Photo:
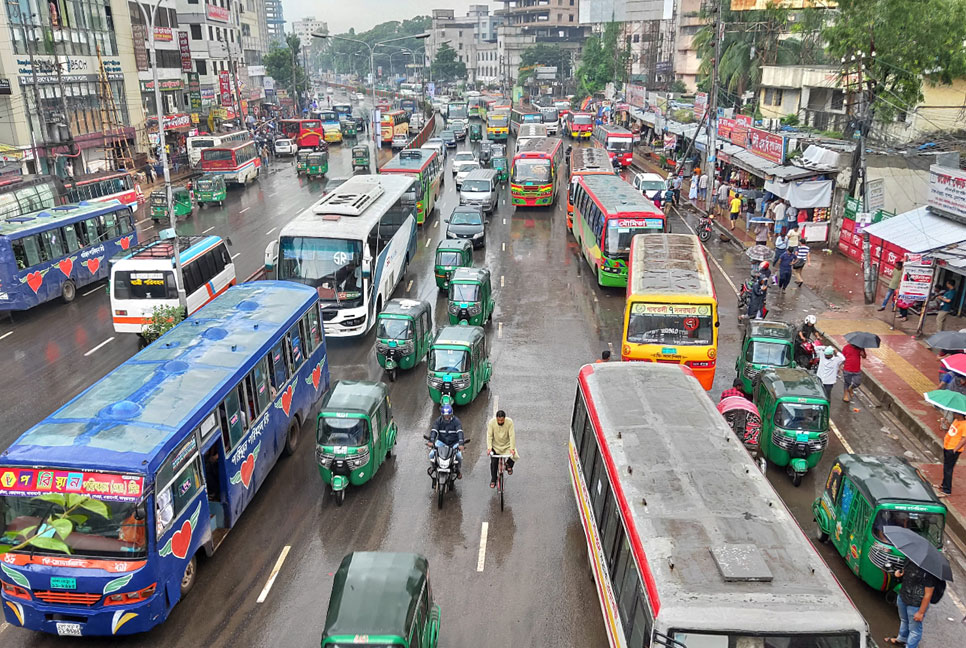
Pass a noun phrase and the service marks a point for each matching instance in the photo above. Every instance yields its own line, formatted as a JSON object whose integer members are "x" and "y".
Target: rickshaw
{"x": 502, "y": 168}
{"x": 763, "y": 344}
{"x": 180, "y": 204}
{"x": 459, "y": 366}
{"x": 348, "y": 127}
{"x": 301, "y": 160}
{"x": 317, "y": 164}
{"x": 476, "y": 132}
{"x": 450, "y": 255}
{"x": 404, "y": 330}
{"x": 486, "y": 151}
{"x": 384, "y": 598}
{"x": 360, "y": 158}
{"x": 794, "y": 419}
{"x": 355, "y": 434}
{"x": 862, "y": 495}
{"x": 210, "y": 188}
{"x": 470, "y": 297}
{"x": 745, "y": 421}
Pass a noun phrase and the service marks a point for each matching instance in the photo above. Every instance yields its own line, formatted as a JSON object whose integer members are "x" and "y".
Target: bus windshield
{"x": 390, "y": 328}
{"x": 702, "y": 640}
{"x": 531, "y": 171}
{"x": 97, "y": 528}
{"x": 497, "y": 121}
{"x": 677, "y": 324}
{"x": 333, "y": 266}
{"x": 582, "y": 120}
{"x": 549, "y": 115}
{"x": 807, "y": 417}
{"x": 620, "y": 231}
{"x": 200, "y": 142}
{"x": 619, "y": 145}
{"x": 144, "y": 285}
{"x": 450, "y": 360}
{"x": 343, "y": 431}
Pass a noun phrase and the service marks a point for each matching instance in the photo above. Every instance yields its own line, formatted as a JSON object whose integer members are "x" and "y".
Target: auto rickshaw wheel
{"x": 392, "y": 375}
{"x": 291, "y": 438}
{"x": 339, "y": 497}
{"x": 68, "y": 291}
{"x": 797, "y": 479}
{"x": 820, "y": 535}
{"x": 221, "y": 203}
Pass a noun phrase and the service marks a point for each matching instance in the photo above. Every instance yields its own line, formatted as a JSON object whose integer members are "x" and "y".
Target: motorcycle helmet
{"x": 810, "y": 319}
{"x": 446, "y": 410}
{"x": 763, "y": 266}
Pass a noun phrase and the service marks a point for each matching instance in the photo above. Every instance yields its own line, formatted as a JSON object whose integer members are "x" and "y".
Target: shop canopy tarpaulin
{"x": 919, "y": 231}
{"x": 806, "y": 194}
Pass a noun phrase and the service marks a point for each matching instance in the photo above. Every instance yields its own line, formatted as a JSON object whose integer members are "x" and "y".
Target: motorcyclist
{"x": 447, "y": 430}
{"x": 805, "y": 334}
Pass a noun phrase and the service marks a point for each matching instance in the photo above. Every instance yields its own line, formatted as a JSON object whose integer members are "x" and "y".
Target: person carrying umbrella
{"x": 854, "y": 352}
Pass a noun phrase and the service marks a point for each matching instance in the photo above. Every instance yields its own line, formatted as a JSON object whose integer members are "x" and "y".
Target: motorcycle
{"x": 807, "y": 355}
{"x": 442, "y": 468}
{"x": 704, "y": 229}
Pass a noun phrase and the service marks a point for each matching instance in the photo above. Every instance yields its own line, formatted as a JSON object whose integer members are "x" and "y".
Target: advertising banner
{"x": 194, "y": 91}
{"x": 31, "y": 482}
{"x": 140, "y": 33}
{"x": 725, "y": 128}
{"x": 766, "y": 145}
{"x": 224, "y": 85}
{"x": 218, "y": 14}
{"x": 947, "y": 190}
{"x": 700, "y": 104}
{"x": 739, "y": 132}
{"x": 636, "y": 95}
{"x": 916, "y": 278}
{"x": 185, "y": 45}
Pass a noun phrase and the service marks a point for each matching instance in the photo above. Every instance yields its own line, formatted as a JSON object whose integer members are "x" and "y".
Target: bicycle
{"x": 501, "y": 470}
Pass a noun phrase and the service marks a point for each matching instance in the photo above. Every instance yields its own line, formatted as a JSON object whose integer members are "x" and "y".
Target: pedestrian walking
{"x": 945, "y": 304}
{"x": 781, "y": 244}
{"x": 759, "y": 294}
{"x": 801, "y": 260}
{"x": 793, "y": 239}
{"x": 894, "y": 282}
{"x": 722, "y": 198}
{"x": 852, "y": 370}
{"x": 953, "y": 444}
{"x": 676, "y": 185}
{"x": 761, "y": 234}
{"x": 913, "y": 602}
{"x": 735, "y": 210}
{"x": 693, "y": 191}
{"x": 149, "y": 173}
{"x": 828, "y": 369}
{"x": 785, "y": 262}
{"x": 703, "y": 187}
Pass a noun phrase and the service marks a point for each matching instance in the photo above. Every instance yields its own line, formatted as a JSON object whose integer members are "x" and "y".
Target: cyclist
{"x": 447, "y": 430}
{"x": 500, "y": 440}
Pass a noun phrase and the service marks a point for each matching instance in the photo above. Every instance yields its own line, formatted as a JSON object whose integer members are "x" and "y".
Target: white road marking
{"x": 427, "y": 242}
{"x": 501, "y": 281}
{"x": 6, "y": 334}
{"x": 710, "y": 256}
{"x": 244, "y": 210}
{"x": 499, "y": 330}
{"x": 235, "y": 255}
{"x": 838, "y": 435}
{"x": 273, "y": 575}
{"x": 208, "y": 230}
{"x": 504, "y": 221}
{"x": 143, "y": 220}
{"x": 482, "y": 557}
{"x": 89, "y": 292}
{"x": 272, "y": 194}
{"x": 107, "y": 341}
{"x": 4, "y": 626}
{"x": 504, "y": 246}
{"x": 436, "y": 223}
{"x": 610, "y": 345}
{"x": 269, "y": 232}
{"x": 410, "y": 286}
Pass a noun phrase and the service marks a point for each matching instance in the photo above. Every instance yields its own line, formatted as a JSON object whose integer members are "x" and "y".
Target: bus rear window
{"x": 201, "y": 143}
{"x": 216, "y": 155}
{"x": 144, "y": 285}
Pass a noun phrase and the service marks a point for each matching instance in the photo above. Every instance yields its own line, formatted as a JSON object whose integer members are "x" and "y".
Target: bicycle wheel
{"x": 501, "y": 486}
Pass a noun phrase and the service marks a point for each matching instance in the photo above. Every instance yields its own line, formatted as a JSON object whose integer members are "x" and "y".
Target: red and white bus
{"x": 617, "y": 141}
{"x": 306, "y": 133}
{"x": 535, "y": 173}
{"x": 689, "y": 544}
{"x": 104, "y": 187}
{"x": 238, "y": 162}
{"x": 580, "y": 125}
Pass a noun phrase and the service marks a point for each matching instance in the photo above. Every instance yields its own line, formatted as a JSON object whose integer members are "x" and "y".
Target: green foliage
{"x": 342, "y": 56}
{"x": 683, "y": 115}
{"x": 53, "y": 530}
{"x": 279, "y": 62}
{"x": 912, "y": 42}
{"x": 790, "y": 119}
{"x": 544, "y": 55}
{"x": 446, "y": 66}
{"x": 162, "y": 320}
{"x": 679, "y": 86}
{"x": 602, "y": 61}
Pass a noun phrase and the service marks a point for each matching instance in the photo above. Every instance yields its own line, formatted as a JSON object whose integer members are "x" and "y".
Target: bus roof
{"x": 227, "y": 146}
{"x": 716, "y": 545}
{"x": 590, "y": 160}
{"x": 610, "y": 129}
{"x": 39, "y": 221}
{"x": 129, "y": 420}
{"x": 409, "y": 160}
{"x": 617, "y": 196}
{"x": 540, "y": 147}
{"x": 156, "y": 248}
{"x": 668, "y": 264}
{"x": 350, "y": 211}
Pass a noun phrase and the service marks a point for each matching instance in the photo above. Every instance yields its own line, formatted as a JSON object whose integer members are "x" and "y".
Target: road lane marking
{"x": 6, "y": 334}
{"x": 610, "y": 345}
{"x": 504, "y": 246}
{"x": 272, "y": 194}
{"x": 496, "y": 404}
{"x": 499, "y": 330}
{"x": 482, "y": 557}
{"x": 269, "y": 232}
{"x": 436, "y": 223}
{"x": 274, "y": 574}
{"x": 107, "y": 341}
{"x": 501, "y": 281}
{"x": 708, "y": 253}
{"x": 143, "y": 220}
{"x": 410, "y": 286}
{"x": 427, "y": 243}
{"x": 244, "y": 210}
{"x": 235, "y": 255}
{"x": 838, "y": 435}
{"x": 208, "y": 230}
{"x": 89, "y": 292}
{"x": 504, "y": 221}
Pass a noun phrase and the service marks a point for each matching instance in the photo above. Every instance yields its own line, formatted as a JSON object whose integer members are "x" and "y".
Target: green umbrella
{"x": 947, "y": 399}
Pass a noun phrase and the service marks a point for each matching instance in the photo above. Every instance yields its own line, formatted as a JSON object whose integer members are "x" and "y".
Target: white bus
{"x": 353, "y": 246}
{"x": 529, "y": 132}
{"x": 199, "y": 142}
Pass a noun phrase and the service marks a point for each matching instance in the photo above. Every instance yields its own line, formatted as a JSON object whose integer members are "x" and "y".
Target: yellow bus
{"x": 497, "y": 124}
{"x": 671, "y": 314}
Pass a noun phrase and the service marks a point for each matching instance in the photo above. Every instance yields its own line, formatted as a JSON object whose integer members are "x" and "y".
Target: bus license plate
{"x": 69, "y": 629}
{"x": 63, "y": 583}
{"x": 669, "y": 351}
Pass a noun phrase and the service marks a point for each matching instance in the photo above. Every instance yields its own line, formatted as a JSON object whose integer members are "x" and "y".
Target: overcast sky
{"x": 365, "y": 14}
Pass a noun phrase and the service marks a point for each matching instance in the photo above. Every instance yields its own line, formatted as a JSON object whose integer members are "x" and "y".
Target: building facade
{"x": 274, "y": 20}
{"x": 174, "y": 98}
{"x": 528, "y": 22}
{"x": 306, "y": 27}
{"x": 648, "y": 31}
{"x": 217, "y": 58}
{"x": 688, "y": 21}
{"x": 469, "y": 35}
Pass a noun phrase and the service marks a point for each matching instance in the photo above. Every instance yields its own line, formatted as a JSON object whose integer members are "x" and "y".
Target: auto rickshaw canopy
{"x": 363, "y": 397}
{"x": 787, "y": 382}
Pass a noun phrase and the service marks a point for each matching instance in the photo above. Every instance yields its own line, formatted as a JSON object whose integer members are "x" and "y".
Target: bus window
{"x": 296, "y": 339}
{"x": 629, "y": 591}
{"x": 246, "y": 391}
{"x": 232, "y": 429}
{"x": 109, "y": 221}
{"x": 27, "y": 252}
{"x": 261, "y": 384}
{"x": 52, "y": 244}
{"x": 279, "y": 367}
{"x": 185, "y": 486}
{"x": 313, "y": 329}
{"x": 71, "y": 239}
{"x": 124, "y": 220}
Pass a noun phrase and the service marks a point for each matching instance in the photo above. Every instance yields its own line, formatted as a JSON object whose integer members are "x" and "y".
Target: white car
{"x": 465, "y": 171}
{"x": 400, "y": 141}
{"x": 285, "y": 147}
{"x": 435, "y": 144}
{"x": 360, "y": 97}
{"x": 649, "y": 184}
{"x": 464, "y": 159}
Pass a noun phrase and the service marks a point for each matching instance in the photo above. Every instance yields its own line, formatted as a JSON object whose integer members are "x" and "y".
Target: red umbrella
{"x": 956, "y": 363}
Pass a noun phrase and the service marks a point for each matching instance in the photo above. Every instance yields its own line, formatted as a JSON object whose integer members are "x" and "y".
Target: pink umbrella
{"x": 955, "y": 363}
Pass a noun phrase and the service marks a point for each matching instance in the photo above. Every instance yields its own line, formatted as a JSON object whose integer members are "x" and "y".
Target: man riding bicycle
{"x": 500, "y": 440}
{"x": 447, "y": 430}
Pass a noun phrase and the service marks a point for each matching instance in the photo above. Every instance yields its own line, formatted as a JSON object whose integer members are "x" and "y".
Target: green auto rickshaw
{"x": 360, "y": 158}
{"x": 317, "y": 164}
{"x": 355, "y": 435}
{"x": 348, "y": 127}
{"x": 470, "y": 297}
{"x": 764, "y": 344}
{"x": 210, "y": 188}
{"x": 476, "y": 132}
{"x": 502, "y": 168}
{"x": 450, "y": 255}
{"x": 794, "y": 419}
{"x": 180, "y": 204}
{"x": 382, "y": 599}
{"x": 301, "y": 160}
{"x": 862, "y": 495}
{"x": 459, "y": 366}
{"x": 404, "y": 331}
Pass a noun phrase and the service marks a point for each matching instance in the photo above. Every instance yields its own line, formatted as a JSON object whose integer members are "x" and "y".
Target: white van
{"x": 480, "y": 189}
{"x": 144, "y": 277}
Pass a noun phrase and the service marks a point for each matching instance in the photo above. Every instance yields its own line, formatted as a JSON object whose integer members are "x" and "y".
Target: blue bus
{"x": 105, "y": 504}
{"x": 53, "y": 252}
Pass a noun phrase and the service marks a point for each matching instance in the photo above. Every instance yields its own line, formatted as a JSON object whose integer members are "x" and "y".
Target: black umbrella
{"x": 952, "y": 340}
{"x": 862, "y": 339}
{"x": 919, "y": 550}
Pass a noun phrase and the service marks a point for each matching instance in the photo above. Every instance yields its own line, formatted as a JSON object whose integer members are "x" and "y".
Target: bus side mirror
{"x": 717, "y": 324}
{"x": 271, "y": 254}
{"x": 141, "y": 511}
{"x": 228, "y": 241}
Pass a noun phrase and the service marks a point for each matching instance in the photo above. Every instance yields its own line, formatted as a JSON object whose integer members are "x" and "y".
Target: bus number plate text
{"x": 57, "y": 582}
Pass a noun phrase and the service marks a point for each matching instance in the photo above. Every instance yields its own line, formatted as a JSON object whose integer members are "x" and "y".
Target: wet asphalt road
{"x": 534, "y": 588}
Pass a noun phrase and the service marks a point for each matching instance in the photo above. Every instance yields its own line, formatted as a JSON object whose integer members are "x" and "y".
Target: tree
{"x": 679, "y": 87}
{"x": 602, "y": 61}
{"x": 279, "y": 64}
{"x": 340, "y": 55}
{"x": 162, "y": 320}
{"x": 446, "y": 66}
{"x": 544, "y": 55}
{"x": 908, "y": 48}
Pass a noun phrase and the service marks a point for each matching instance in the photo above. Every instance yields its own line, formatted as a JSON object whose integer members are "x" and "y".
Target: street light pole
{"x": 149, "y": 17}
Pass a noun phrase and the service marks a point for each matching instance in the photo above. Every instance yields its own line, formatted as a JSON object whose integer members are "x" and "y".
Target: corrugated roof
{"x": 919, "y": 230}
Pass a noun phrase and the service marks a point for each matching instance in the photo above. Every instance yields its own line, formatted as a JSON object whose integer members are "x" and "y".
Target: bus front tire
{"x": 291, "y": 438}
{"x": 68, "y": 291}
{"x": 190, "y": 576}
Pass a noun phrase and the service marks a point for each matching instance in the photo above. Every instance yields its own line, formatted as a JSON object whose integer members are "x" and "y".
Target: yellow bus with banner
{"x": 671, "y": 312}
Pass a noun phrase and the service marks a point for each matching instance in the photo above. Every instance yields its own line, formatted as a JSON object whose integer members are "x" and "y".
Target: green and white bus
{"x": 426, "y": 166}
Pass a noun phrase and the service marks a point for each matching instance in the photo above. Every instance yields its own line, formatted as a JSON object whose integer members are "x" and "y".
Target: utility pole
{"x": 864, "y": 122}
{"x": 711, "y": 155}
{"x": 44, "y": 131}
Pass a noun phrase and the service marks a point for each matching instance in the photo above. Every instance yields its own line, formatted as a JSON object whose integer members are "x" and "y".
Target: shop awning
{"x": 752, "y": 163}
{"x": 919, "y": 231}
{"x": 806, "y": 194}
{"x": 791, "y": 172}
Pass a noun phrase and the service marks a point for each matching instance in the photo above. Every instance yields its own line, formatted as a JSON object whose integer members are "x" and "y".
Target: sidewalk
{"x": 898, "y": 372}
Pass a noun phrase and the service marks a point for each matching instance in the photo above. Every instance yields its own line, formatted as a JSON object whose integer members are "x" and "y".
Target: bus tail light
{"x": 626, "y": 349}
{"x": 131, "y": 597}
{"x": 121, "y": 313}
{"x": 15, "y": 591}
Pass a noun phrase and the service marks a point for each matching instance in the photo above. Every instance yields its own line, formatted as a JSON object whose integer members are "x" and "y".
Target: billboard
{"x": 761, "y": 5}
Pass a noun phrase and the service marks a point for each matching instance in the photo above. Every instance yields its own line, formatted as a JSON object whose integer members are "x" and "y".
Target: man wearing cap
{"x": 828, "y": 369}
{"x": 447, "y": 430}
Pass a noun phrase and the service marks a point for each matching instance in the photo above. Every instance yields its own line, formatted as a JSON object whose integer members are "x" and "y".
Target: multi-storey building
{"x": 527, "y": 22}
{"x": 468, "y": 35}
{"x": 648, "y": 30}
{"x": 168, "y": 52}
{"x": 306, "y": 27}
{"x": 688, "y": 22}
{"x": 275, "y": 20}
{"x": 215, "y": 38}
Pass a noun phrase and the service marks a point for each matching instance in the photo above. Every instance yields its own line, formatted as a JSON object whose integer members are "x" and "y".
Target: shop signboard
{"x": 700, "y": 104}
{"x": 185, "y": 46}
{"x": 218, "y": 14}
{"x": 194, "y": 91}
{"x": 224, "y": 84}
{"x": 739, "y": 132}
{"x": 917, "y": 272}
{"x": 947, "y": 190}
{"x": 670, "y": 142}
{"x": 166, "y": 85}
{"x": 725, "y": 128}
{"x": 163, "y": 34}
{"x": 852, "y": 207}
{"x": 140, "y": 33}
{"x": 636, "y": 95}
{"x": 768, "y": 146}
{"x": 256, "y": 70}
{"x": 876, "y": 192}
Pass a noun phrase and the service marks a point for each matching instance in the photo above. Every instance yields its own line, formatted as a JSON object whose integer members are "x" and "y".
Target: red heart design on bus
{"x": 34, "y": 280}
{"x": 287, "y": 399}
{"x": 93, "y": 265}
{"x": 66, "y": 266}
{"x": 181, "y": 540}
{"x": 247, "y": 468}
{"x": 316, "y": 376}
{"x": 125, "y": 242}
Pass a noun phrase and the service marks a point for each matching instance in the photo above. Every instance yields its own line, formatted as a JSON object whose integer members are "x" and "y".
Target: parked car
{"x": 285, "y": 147}
{"x": 462, "y": 159}
{"x": 467, "y": 222}
{"x": 449, "y": 138}
{"x": 649, "y": 184}
{"x": 465, "y": 171}
{"x": 400, "y": 141}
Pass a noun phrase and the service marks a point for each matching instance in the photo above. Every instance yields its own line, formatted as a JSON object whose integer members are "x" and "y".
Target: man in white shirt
{"x": 703, "y": 187}
{"x": 828, "y": 369}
